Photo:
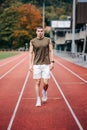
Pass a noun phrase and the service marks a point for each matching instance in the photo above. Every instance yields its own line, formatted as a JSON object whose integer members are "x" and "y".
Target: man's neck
{"x": 40, "y": 37}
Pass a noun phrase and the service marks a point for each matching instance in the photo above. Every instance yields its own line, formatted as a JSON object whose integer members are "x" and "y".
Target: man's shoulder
{"x": 34, "y": 39}
{"x": 47, "y": 38}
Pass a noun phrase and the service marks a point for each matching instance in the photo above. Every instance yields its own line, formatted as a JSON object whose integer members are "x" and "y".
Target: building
{"x": 58, "y": 33}
{"x": 63, "y": 34}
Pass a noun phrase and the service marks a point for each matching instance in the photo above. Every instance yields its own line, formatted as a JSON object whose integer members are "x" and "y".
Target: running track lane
{"x": 10, "y": 87}
{"x": 81, "y": 71}
{"x": 44, "y": 118}
{"x": 52, "y": 115}
{"x": 10, "y": 59}
{"x": 5, "y": 66}
{"x": 74, "y": 86}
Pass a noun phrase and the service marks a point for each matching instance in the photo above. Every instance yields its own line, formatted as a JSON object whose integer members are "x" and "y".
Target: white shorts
{"x": 41, "y": 71}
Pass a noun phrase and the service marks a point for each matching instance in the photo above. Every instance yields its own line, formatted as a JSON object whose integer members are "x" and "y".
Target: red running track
{"x": 66, "y": 108}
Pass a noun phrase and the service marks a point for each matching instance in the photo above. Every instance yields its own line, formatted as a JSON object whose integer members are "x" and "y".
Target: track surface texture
{"x": 65, "y": 109}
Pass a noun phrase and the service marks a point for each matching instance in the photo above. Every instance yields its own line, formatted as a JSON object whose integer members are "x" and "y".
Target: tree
{"x": 8, "y": 22}
{"x": 29, "y": 19}
{"x": 17, "y": 25}
{"x": 19, "y": 18}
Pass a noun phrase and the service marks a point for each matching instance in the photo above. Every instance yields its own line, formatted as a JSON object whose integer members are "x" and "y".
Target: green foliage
{"x": 19, "y": 18}
{"x": 17, "y": 25}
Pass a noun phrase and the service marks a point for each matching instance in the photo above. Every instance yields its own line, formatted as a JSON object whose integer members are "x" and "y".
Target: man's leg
{"x": 44, "y": 91}
{"x": 37, "y": 88}
{"x": 37, "y": 77}
{"x": 45, "y": 84}
{"x": 45, "y": 76}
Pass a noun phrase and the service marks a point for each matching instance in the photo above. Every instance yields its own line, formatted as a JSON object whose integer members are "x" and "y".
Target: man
{"x": 41, "y": 59}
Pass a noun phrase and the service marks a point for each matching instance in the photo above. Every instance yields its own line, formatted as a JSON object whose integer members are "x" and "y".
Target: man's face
{"x": 40, "y": 32}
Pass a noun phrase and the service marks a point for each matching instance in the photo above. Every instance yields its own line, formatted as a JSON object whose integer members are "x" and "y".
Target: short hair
{"x": 40, "y": 27}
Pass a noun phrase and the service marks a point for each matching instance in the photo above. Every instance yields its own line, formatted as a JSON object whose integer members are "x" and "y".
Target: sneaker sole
{"x": 38, "y": 105}
{"x": 44, "y": 100}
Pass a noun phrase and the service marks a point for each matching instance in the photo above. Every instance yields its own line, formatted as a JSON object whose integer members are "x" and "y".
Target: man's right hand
{"x": 31, "y": 68}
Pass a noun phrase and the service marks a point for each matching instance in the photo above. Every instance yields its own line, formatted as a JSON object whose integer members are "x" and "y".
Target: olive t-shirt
{"x": 41, "y": 50}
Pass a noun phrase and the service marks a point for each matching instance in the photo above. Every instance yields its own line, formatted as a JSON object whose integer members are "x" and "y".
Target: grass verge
{"x": 6, "y": 54}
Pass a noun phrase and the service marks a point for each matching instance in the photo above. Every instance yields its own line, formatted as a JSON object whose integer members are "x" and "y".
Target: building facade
{"x": 62, "y": 35}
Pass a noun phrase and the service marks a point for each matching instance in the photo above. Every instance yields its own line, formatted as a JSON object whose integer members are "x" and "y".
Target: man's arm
{"x": 31, "y": 57}
{"x": 51, "y": 56}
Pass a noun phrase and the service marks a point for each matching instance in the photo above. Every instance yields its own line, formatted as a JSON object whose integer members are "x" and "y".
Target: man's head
{"x": 40, "y": 32}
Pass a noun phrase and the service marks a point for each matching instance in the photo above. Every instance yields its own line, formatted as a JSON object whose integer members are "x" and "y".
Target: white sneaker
{"x": 38, "y": 102}
{"x": 44, "y": 95}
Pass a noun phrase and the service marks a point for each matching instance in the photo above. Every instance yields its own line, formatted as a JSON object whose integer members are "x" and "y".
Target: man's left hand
{"x": 51, "y": 66}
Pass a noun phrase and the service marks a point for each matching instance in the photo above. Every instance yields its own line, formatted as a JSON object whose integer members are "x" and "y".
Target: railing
{"x": 60, "y": 40}
{"x": 80, "y": 35}
{"x": 77, "y": 58}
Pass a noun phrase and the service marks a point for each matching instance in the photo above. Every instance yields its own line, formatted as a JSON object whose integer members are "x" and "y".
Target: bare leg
{"x": 44, "y": 91}
{"x": 37, "y": 87}
{"x": 45, "y": 86}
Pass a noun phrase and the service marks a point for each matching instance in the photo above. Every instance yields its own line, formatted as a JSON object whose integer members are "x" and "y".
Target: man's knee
{"x": 38, "y": 82}
{"x": 45, "y": 81}
{"x": 45, "y": 85}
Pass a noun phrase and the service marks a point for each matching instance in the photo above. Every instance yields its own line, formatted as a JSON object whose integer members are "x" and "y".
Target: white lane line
{"x": 18, "y": 102}
{"x": 72, "y": 83}
{"x": 71, "y": 71}
{"x": 12, "y": 68}
{"x": 49, "y": 98}
{"x": 15, "y": 58}
{"x": 67, "y": 103}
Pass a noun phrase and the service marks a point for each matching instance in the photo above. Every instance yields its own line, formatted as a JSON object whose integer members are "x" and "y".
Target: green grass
{"x": 5, "y": 54}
